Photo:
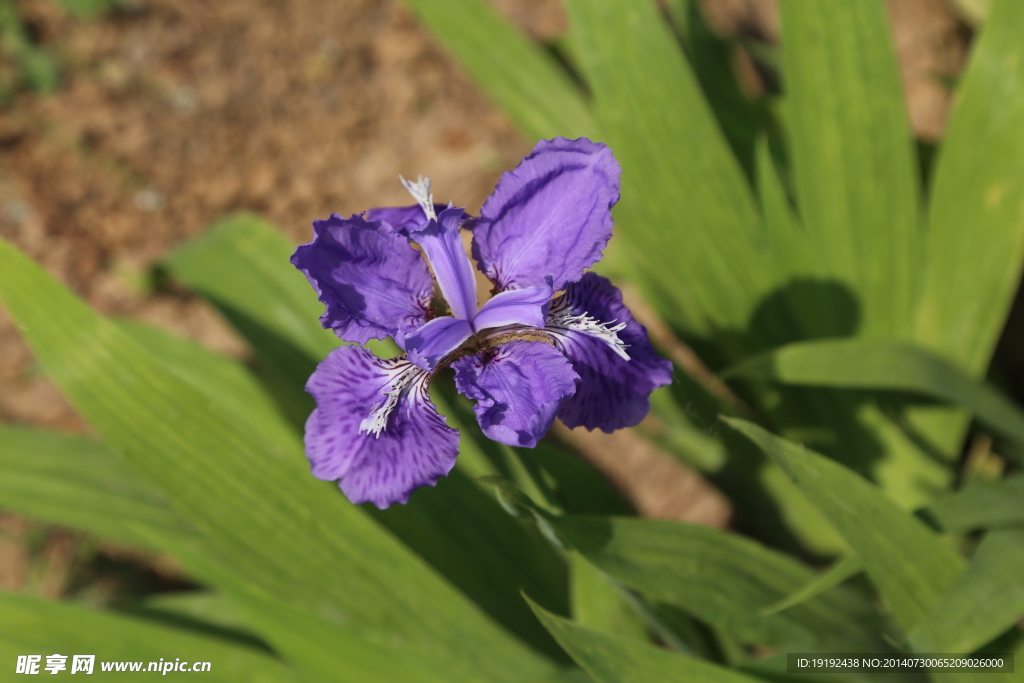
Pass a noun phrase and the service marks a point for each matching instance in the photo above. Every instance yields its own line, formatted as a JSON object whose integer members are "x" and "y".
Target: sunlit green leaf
{"x": 886, "y": 365}
{"x": 853, "y": 160}
{"x": 609, "y": 659}
{"x": 982, "y": 505}
{"x": 32, "y": 626}
{"x": 78, "y": 483}
{"x": 975, "y": 237}
{"x": 985, "y": 601}
{"x": 911, "y": 566}
{"x": 840, "y": 571}
{"x": 529, "y": 85}
{"x": 687, "y": 216}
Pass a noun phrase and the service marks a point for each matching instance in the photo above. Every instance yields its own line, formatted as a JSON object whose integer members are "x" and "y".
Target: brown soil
{"x": 178, "y": 111}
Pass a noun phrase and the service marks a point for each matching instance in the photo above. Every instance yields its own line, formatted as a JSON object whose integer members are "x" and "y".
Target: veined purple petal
{"x": 372, "y": 282}
{"x": 443, "y": 246}
{"x": 404, "y": 219}
{"x": 436, "y": 339}
{"x": 613, "y": 392}
{"x": 356, "y": 393}
{"x": 527, "y": 306}
{"x": 517, "y": 388}
{"x": 549, "y": 216}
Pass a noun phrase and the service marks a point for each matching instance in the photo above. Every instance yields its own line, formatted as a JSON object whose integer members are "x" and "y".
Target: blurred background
{"x": 127, "y": 126}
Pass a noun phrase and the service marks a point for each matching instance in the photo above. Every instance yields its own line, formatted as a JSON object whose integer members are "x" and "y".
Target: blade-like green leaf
{"x": 687, "y": 213}
{"x": 599, "y": 605}
{"x": 887, "y": 365}
{"x": 32, "y": 626}
{"x": 853, "y": 160}
{"x": 227, "y": 382}
{"x": 616, "y": 660}
{"x": 77, "y": 482}
{"x": 842, "y": 570}
{"x": 720, "y": 578}
{"x": 986, "y": 600}
{"x": 975, "y": 239}
{"x": 241, "y": 265}
{"x": 983, "y": 505}
{"x": 526, "y": 83}
{"x": 284, "y": 536}
{"x": 911, "y": 566}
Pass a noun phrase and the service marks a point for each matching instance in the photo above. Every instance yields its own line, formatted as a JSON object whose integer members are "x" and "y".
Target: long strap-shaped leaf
{"x": 853, "y": 160}
{"x": 986, "y": 600}
{"x": 609, "y": 659}
{"x": 911, "y": 566}
{"x": 687, "y": 211}
{"x": 32, "y": 626}
{"x": 79, "y": 483}
{"x": 976, "y": 226}
{"x": 886, "y": 365}
{"x": 525, "y": 82}
{"x": 720, "y": 578}
{"x": 263, "y": 520}
{"x": 984, "y": 505}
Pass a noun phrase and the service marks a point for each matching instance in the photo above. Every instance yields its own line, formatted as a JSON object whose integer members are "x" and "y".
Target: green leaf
{"x": 196, "y": 607}
{"x": 853, "y": 159}
{"x": 977, "y": 201}
{"x": 911, "y": 566}
{"x": 600, "y": 605}
{"x": 722, "y": 579}
{"x": 32, "y": 626}
{"x": 78, "y": 483}
{"x": 225, "y": 381}
{"x": 885, "y": 365}
{"x": 677, "y": 168}
{"x": 842, "y": 570}
{"x": 241, "y": 265}
{"x": 982, "y": 505}
{"x": 526, "y": 83}
{"x": 274, "y": 534}
{"x": 616, "y": 660}
{"x": 986, "y": 600}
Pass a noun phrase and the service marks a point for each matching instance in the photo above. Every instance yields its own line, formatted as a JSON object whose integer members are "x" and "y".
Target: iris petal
{"x": 527, "y": 306}
{"x": 549, "y": 216}
{"x": 613, "y": 392}
{"x": 517, "y": 388}
{"x": 442, "y": 244}
{"x": 372, "y": 282}
{"x": 355, "y": 393}
{"x": 439, "y": 337}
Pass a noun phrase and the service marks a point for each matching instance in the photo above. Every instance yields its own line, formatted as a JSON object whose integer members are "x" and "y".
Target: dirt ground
{"x": 173, "y": 112}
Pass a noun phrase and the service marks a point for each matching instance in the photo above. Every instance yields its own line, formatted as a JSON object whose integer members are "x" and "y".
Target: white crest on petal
{"x": 561, "y": 319}
{"x": 420, "y": 191}
{"x": 403, "y": 374}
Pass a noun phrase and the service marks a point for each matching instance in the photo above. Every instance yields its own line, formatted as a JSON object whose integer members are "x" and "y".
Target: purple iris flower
{"x": 524, "y": 357}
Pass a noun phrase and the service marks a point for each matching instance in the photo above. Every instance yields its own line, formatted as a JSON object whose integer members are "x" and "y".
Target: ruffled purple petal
{"x": 517, "y": 388}
{"x": 414, "y": 447}
{"x": 613, "y": 392}
{"x": 371, "y": 280}
{"x": 549, "y": 216}
{"x": 404, "y": 219}
{"x": 443, "y": 246}
{"x": 435, "y": 340}
{"x": 527, "y": 306}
